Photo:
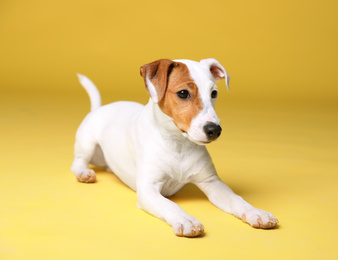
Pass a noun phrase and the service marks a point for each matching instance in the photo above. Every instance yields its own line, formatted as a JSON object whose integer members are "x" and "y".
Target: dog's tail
{"x": 93, "y": 93}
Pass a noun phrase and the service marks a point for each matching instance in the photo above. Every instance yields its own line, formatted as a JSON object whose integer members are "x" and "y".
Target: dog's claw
{"x": 87, "y": 176}
{"x": 180, "y": 232}
{"x": 258, "y": 218}
{"x": 188, "y": 228}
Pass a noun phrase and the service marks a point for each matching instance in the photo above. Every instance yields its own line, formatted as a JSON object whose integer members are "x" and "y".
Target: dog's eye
{"x": 214, "y": 94}
{"x": 183, "y": 94}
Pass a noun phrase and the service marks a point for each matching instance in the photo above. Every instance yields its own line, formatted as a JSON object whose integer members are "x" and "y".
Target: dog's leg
{"x": 84, "y": 152}
{"x": 224, "y": 198}
{"x": 151, "y": 200}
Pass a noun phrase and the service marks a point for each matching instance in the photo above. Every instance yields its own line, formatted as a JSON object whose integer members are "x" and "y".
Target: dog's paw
{"x": 86, "y": 176}
{"x": 188, "y": 227}
{"x": 258, "y": 218}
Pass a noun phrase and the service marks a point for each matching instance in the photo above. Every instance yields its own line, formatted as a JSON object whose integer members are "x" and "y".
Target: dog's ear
{"x": 155, "y": 77}
{"x": 217, "y": 70}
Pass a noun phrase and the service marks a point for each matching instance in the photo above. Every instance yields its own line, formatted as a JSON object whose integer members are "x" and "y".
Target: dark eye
{"x": 183, "y": 94}
{"x": 214, "y": 94}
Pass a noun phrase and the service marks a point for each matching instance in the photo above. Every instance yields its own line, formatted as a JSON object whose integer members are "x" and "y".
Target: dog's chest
{"x": 179, "y": 168}
{"x": 177, "y": 176}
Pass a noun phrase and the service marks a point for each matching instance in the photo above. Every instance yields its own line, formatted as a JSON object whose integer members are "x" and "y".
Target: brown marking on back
{"x": 181, "y": 111}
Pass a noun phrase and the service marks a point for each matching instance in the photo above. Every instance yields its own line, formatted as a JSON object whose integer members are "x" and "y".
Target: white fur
{"x": 145, "y": 149}
{"x": 213, "y": 62}
{"x": 93, "y": 93}
{"x": 152, "y": 91}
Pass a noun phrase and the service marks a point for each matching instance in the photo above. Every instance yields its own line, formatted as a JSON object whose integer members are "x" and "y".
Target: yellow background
{"x": 278, "y": 149}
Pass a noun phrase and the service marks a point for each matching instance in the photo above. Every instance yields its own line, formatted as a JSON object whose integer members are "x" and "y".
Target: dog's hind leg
{"x": 84, "y": 152}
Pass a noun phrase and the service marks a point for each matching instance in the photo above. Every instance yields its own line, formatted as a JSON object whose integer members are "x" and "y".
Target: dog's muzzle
{"x": 212, "y": 131}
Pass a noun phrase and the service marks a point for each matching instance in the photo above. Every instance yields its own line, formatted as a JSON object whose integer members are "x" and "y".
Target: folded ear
{"x": 155, "y": 77}
{"x": 217, "y": 70}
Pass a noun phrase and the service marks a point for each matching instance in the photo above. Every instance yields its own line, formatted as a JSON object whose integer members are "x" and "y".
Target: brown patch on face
{"x": 182, "y": 111}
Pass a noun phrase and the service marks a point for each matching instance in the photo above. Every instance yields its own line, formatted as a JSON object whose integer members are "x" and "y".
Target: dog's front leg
{"x": 224, "y": 198}
{"x": 150, "y": 199}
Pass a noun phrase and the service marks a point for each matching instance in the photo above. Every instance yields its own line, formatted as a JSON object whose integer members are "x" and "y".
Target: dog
{"x": 158, "y": 148}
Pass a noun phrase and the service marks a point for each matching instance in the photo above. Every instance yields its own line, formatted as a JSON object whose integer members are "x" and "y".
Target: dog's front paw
{"x": 258, "y": 218}
{"x": 86, "y": 176}
{"x": 188, "y": 227}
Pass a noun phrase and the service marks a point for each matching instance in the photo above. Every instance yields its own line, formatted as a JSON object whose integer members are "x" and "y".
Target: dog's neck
{"x": 162, "y": 121}
{"x": 165, "y": 125}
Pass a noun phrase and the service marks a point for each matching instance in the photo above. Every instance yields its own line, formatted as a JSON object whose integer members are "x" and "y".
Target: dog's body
{"x": 158, "y": 148}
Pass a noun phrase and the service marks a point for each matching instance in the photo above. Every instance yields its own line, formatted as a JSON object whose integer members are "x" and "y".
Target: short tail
{"x": 93, "y": 93}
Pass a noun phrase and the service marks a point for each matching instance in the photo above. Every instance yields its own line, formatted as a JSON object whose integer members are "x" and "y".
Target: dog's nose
{"x": 212, "y": 131}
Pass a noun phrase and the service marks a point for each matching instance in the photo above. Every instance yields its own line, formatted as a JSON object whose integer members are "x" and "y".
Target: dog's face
{"x": 185, "y": 90}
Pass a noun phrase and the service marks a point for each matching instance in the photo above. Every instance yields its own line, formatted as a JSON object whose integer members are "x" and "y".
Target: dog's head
{"x": 185, "y": 90}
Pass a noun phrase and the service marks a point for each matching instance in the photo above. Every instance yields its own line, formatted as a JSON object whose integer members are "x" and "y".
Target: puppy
{"x": 158, "y": 148}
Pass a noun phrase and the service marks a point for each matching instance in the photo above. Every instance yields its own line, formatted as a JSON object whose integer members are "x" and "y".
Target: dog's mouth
{"x": 185, "y": 134}
{"x": 202, "y": 142}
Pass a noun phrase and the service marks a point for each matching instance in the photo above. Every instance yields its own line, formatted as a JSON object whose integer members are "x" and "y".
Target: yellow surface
{"x": 279, "y": 147}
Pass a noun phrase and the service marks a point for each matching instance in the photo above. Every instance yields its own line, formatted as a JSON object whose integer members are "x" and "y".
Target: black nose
{"x": 212, "y": 131}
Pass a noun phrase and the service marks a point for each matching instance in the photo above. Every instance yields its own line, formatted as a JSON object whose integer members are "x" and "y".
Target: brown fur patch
{"x": 182, "y": 111}
{"x": 157, "y": 72}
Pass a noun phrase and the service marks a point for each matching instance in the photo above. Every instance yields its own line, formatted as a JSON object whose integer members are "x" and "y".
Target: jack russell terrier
{"x": 158, "y": 148}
